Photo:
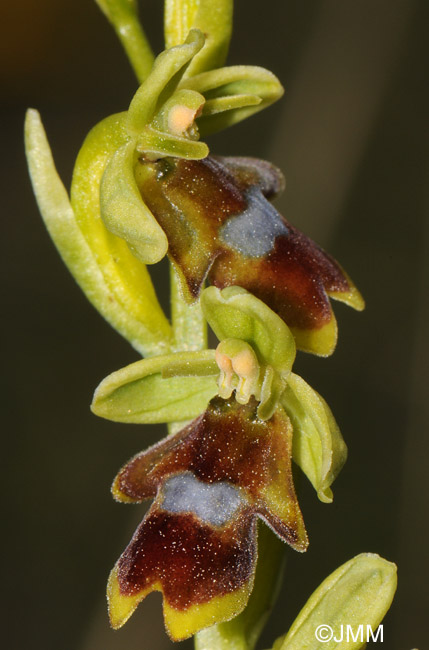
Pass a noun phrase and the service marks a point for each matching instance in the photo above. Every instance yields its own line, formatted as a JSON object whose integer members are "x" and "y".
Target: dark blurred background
{"x": 351, "y": 137}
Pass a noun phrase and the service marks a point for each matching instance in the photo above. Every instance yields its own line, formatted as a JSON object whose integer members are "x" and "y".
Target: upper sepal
{"x": 235, "y": 313}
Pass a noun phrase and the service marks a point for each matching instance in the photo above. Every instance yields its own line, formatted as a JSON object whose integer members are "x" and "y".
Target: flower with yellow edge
{"x": 216, "y": 476}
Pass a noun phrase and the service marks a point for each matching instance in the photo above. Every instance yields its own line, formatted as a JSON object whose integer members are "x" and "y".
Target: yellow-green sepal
{"x": 213, "y": 18}
{"x": 234, "y": 313}
{"x": 318, "y": 447}
{"x": 167, "y": 71}
{"x": 232, "y": 94}
{"x": 123, "y": 15}
{"x": 168, "y": 388}
{"x": 117, "y": 284}
{"x": 123, "y": 211}
{"x": 358, "y": 593}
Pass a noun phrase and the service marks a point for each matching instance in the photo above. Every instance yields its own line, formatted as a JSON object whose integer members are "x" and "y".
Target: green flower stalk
{"x": 145, "y": 186}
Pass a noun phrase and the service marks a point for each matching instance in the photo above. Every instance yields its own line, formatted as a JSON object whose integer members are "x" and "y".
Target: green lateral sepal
{"x": 358, "y": 593}
{"x": 169, "y": 388}
{"x": 318, "y": 446}
{"x": 232, "y": 94}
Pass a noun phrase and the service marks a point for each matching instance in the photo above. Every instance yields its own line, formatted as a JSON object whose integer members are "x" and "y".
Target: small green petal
{"x": 212, "y": 17}
{"x": 234, "y": 313}
{"x": 168, "y": 388}
{"x": 358, "y": 593}
{"x": 228, "y": 103}
{"x": 123, "y": 15}
{"x": 123, "y": 211}
{"x": 318, "y": 447}
{"x": 233, "y": 82}
{"x": 160, "y": 144}
{"x": 166, "y": 73}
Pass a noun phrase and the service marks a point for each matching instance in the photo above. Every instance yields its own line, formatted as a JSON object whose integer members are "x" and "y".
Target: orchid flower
{"x": 144, "y": 187}
{"x": 212, "y": 479}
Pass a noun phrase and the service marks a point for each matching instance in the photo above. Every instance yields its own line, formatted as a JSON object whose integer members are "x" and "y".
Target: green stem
{"x": 189, "y": 327}
{"x": 242, "y": 632}
{"x": 123, "y": 15}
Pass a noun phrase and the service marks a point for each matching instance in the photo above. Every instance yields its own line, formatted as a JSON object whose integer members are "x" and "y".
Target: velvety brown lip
{"x": 193, "y": 200}
{"x": 193, "y": 562}
{"x": 227, "y": 443}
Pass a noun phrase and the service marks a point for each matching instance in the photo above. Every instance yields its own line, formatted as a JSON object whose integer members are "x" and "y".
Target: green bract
{"x": 114, "y": 281}
{"x": 234, "y": 313}
{"x": 358, "y": 593}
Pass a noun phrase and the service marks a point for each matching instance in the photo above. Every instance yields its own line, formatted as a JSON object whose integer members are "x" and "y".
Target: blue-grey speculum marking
{"x": 253, "y": 232}
{"x": 213, "y": 503}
